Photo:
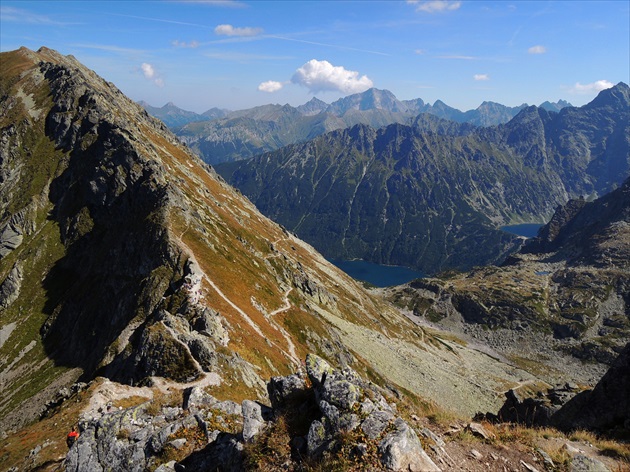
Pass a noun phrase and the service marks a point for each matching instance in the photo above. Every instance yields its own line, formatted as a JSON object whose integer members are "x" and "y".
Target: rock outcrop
{"x": 338, "y": 410}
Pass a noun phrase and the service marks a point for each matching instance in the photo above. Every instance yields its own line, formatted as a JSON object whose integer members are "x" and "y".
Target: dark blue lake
{"x": 376, "y": 274}
{"x": 529, "y": 230}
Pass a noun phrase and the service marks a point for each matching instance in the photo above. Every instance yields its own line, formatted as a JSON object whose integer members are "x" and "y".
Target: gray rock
{"x": 224, "y": 454}
{"x": 427, "y": 433}
{"x": 582, "y": 463}
{"x": 210, "y": 324}
{"x": 253, "y": 421}
{"x": 340, "y": 392}
{"x": 177, "y": 443}
{"x": 196, "y": 397}
{"x": 401, "y": 450}
{"x": 478, "y": 430}
{"x": 317, "y": 439}
{"x": 229, "y": 407}
{"x": 282, "y": 390}
{"x": 83, "y": 454}
{"x": 10, "y": 288}
{"x": 317, "y": 369}
{"x": 375, "y": 423}
{"x": 11, "y": 237}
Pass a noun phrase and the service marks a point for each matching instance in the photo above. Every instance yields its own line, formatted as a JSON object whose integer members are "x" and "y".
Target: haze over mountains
{"x": 221, "y": 135}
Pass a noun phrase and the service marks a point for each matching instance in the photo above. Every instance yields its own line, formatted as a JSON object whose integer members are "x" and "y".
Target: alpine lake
{"x": 385, "y": 275}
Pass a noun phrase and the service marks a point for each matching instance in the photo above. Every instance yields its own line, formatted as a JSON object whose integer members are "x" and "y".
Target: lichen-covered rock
{"x": 317, "y": 369}
{"x": 582, "y": 463}
{"x": 401, "y": 450}
{"x": 125, "y": 440}
{"x": 253, "y": 420}
{"x": 376, "y": 423}
{"x": 195, "y": 397}
{"x": 317, "y": 440}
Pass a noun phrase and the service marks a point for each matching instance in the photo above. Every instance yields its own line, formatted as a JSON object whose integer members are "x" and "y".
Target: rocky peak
{"x": 313, "y": 107}
{"x": 617, "y": 97}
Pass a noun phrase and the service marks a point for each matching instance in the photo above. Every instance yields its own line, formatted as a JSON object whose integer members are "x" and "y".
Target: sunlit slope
{"x": 123, "y": 255}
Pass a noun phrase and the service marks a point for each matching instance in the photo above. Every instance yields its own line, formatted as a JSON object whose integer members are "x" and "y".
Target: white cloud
{"x": 148, "y": 70}
{"x": 183, "y": 44}
{"x": 435, "y": 6}
{"x": 319, "y": 76}
{"x": 270, "y": 86}
{"x": 481, "y": 77}
{"x": 149, "y": 73}
{"x": 420, "y": 52}
{"x": 595, "y": 87}
{"x": 538, "y": 49}
{"x": 229, "y": 30}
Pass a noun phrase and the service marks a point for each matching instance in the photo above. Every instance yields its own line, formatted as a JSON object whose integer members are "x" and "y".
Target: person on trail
{"x": 72, "y": 437}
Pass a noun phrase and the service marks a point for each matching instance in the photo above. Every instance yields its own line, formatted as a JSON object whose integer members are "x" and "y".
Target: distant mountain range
{"x": 220, "y": 135}
{"x": 432, "y": 195}
{"x": 174, "y": 116}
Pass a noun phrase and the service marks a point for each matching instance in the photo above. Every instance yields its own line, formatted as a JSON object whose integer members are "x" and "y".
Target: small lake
{"x": 529, "y": 230}
{"x": 376, "y": 274}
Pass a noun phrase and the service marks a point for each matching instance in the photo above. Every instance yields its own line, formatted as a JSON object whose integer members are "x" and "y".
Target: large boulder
{"x": 401, "y": 450}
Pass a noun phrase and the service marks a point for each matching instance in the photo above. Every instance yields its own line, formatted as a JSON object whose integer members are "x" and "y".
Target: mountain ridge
{"x": 424, "y": 196}
{"x": 268, "y": 127}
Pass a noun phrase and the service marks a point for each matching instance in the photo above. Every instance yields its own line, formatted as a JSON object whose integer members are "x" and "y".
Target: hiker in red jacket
{"x": 72, "y": 437}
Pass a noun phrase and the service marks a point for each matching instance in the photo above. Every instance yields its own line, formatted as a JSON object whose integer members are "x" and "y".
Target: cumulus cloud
{"x": 538, "y": 49}
{"x": 270, "y": 86}
{"x": 481, "y": 77}
{"x": 320, "y": 76}
{"x": 435, "y": 6}
{"x": 595, "y": 87}
{"x": 149, "y": 73}
{"x": 148, "y": 70}
{"x": 229, "y": 30}
{"x": 183, "y": 44}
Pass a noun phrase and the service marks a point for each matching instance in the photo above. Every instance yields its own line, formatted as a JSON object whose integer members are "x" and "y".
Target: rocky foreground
{"x": 320, "y": 418}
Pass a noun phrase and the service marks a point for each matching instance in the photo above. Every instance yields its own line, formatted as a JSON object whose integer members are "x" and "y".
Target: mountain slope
{"x": 123, "y": 255}
{"x": 563, "y": 300}
{"x": 432, "y": 196}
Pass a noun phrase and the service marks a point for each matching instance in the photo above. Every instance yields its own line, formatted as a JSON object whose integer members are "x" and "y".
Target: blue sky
{"x": 239, "y": 54}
